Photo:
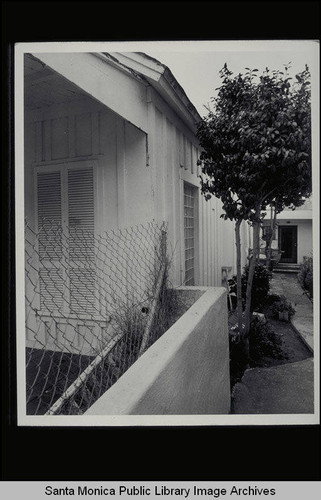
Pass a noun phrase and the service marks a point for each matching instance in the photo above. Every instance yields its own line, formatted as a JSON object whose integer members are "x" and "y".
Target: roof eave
{"x": 162, "y": 79}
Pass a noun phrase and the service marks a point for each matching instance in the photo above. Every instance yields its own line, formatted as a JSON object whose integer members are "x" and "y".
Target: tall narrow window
{"x": 189, "y": 232}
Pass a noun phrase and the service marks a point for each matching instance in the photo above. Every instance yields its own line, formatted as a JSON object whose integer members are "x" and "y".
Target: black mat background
{"x": 180, "y": 453}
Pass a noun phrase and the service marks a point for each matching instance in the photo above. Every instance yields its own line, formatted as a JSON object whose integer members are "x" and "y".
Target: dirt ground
{"x": 293, "y": 347}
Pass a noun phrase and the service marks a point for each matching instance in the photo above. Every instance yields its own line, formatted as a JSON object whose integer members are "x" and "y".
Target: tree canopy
{"x": 257, "y": 142}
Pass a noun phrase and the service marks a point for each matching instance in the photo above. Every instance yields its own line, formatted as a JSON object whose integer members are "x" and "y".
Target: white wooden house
{"x": 109, "y": 144}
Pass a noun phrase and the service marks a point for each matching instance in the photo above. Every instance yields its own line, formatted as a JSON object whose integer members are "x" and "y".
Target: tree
{"x": 256, "y": 151}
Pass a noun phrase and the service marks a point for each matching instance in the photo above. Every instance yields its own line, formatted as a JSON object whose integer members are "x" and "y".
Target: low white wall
{"x": 185, "y": 372}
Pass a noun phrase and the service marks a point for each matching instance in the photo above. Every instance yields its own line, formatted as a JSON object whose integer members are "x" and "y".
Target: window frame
{"x": 195, "y": 195}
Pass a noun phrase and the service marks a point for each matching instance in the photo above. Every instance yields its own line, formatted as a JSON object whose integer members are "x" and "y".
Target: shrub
{"x": 263, "y": 342}
{"x": 282, "y": 304}
{"x": 305, "y": 275}
{"x": 260, "y": 287}
{"x": 238, "y": 362}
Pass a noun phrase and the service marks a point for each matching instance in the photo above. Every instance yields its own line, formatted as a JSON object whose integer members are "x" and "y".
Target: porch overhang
{"x": 121, "y": 91}
{"x": 294, "y": 215}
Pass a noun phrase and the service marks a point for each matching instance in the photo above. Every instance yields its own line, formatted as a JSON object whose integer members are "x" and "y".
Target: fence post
{"x": 158, "y": 289}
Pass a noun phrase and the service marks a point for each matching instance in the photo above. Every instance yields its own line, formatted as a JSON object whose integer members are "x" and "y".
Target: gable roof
{"x": 160, "y": 77}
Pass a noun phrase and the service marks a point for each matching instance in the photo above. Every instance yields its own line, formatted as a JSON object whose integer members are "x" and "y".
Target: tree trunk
{"x": 238, "y": 276}
{"x": 256, "y": 245}
{"x": 269, "y": 241}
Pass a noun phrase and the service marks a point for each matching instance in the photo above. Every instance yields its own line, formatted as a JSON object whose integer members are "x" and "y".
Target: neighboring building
{"x": 293, "y": 234}
{"x": 110, "y": 143}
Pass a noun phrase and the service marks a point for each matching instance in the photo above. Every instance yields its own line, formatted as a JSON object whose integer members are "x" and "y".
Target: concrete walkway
{"x": 286, "y": 388}
{"x": 302, "y": 321}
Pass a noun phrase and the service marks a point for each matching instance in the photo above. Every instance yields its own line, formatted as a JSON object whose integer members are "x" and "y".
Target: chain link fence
{"x": 94, "y": 304}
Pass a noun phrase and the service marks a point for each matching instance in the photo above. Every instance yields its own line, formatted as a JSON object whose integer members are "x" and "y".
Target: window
{"x": 189, "y": 232}
{"x": 65, "y": 216}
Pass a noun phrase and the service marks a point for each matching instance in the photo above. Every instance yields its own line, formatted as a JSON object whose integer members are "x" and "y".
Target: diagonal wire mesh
{"x": 94, "y": 304}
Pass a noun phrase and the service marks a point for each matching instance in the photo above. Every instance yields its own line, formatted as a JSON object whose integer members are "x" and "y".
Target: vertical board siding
{"x": 177, "y": 208}
{"x": 47, "y": 146}
{"x": 72, "y": 136}
{"x": 215, "y": 241}
{"x": 155, "y": 190}
{"x": 205, "y": 242}
{"x": 84, "y": 134}
{"x": 95, "y": 133}
{"x": 108, "y": 172}
{"x": 181, "y": 149}
{"x": 59, "y": 138}
{"x": 37, "y": 155}
{"x": 170, "y": 191}
{"x": 159, "y": 165}
{"x": 62, "y": 137}
{"x": 188, "y": 155}
{"x": 210, "y": 234}
{"x": 136, "y": 177}
{"x": 120, "y": 162}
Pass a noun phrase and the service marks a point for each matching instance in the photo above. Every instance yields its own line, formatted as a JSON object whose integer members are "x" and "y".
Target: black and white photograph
{"x": 166, "y": 235}
{"x": 161, "y": 214}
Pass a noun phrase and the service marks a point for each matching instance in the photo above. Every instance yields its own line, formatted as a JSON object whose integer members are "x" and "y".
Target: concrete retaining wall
{"x": 185, "y": 372}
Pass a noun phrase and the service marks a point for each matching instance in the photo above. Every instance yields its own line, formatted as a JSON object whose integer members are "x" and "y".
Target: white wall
{"x": 76, "y": 134}
{"x": 173, "y": 155}
{"x": 304, "y": 239}
{"x": 185, "y": 372}
{"x": 87, "y": 130}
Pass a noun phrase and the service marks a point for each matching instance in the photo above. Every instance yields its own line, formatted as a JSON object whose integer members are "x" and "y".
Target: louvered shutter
{"x": 50, "y": 240}
{"x": 81, "y": 240}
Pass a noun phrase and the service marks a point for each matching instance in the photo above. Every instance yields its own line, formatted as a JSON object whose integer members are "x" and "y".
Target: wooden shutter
{"x": 50, "y": 240}
{"x": 81, "y": 240}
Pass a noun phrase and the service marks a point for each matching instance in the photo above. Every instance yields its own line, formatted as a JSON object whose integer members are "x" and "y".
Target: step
{"x": 288, "y": 264}
{"x": 285, "y": 270}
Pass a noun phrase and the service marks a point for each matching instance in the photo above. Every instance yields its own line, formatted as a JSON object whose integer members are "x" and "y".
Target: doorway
{"x": 288, "y": 244}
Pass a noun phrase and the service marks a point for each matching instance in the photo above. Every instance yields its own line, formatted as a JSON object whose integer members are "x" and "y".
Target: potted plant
{"x": 283, "y": 309}
{"x": 275, "y": 256}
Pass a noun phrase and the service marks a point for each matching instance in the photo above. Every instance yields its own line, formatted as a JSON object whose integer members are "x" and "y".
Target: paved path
{"x": 279, "y": 389}
{"x": 286, "y": 388}
{"x": 287, "y": 284}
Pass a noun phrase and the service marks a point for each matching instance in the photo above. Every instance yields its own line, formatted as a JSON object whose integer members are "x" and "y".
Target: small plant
{"x": 305, "y": 275}
{"x": 260, "y": 287}
{"x": 264, "y": 342}
{"x": 282, "y": 308}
